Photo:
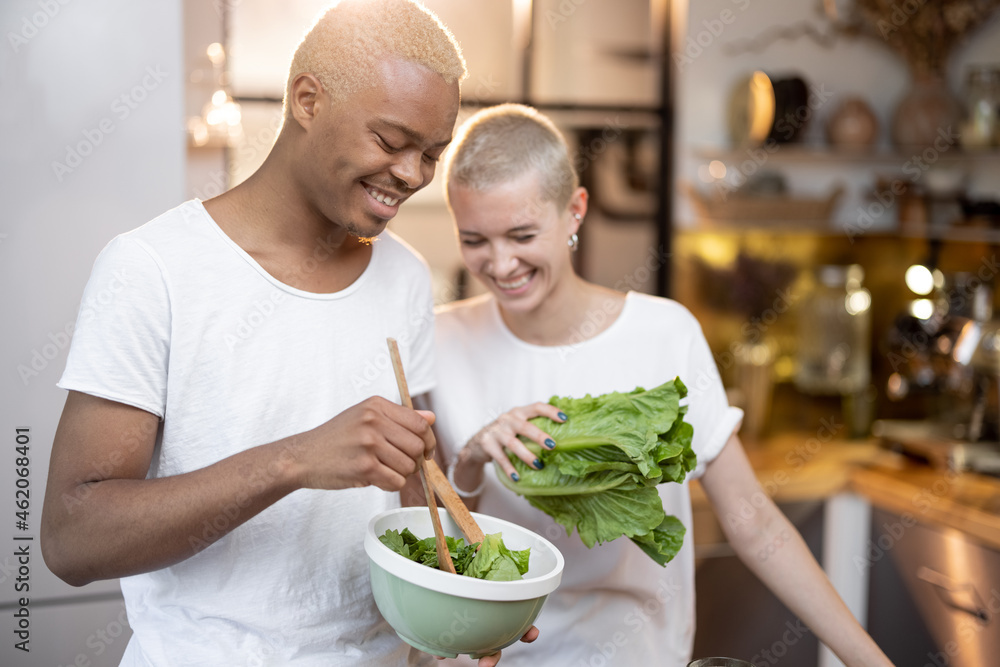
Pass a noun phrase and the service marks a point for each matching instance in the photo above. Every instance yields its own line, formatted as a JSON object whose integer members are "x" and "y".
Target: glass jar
{"x": 981, "y": 128}
{"x": 834, "y": 333}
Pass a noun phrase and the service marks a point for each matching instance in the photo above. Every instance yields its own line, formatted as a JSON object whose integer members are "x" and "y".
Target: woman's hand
{"x": 502, "y": 434}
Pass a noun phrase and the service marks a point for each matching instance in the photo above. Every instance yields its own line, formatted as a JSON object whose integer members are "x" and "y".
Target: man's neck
{"x": 268, "y": 218}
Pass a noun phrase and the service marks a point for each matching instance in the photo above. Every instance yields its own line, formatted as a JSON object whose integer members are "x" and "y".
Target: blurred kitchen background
{"x": 819, "y": 182}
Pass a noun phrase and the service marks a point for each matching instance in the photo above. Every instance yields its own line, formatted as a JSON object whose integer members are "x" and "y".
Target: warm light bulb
{"x": 922, "y": 309}
{"x": 717, "y": 169}
{"x": 219, "y": 97}
{"x": 232, "y": 113}
{"x": 857, "y": 301}
{"x": 216, "y": 53}
{"x": 198, "y": 131}
{"x": 938, "y": 279}
{"x": 919, "y": 279}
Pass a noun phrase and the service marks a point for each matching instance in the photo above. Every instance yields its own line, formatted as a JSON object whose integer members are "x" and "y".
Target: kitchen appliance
{"x": 938, "y": 445}
{"x": 953, "y": 357}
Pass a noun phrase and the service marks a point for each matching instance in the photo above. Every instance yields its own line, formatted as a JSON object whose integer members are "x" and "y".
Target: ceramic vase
{"x": 929, "y": 115}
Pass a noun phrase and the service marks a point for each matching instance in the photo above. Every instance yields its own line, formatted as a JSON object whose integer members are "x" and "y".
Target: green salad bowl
{"x": 447, "y": 614}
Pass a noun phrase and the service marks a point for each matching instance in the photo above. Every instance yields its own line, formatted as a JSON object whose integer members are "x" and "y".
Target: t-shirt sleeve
{"x": 709, "y": 412}
{"x": 121, "y": 339}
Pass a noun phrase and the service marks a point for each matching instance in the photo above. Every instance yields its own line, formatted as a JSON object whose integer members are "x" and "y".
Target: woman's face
{"x": 514, "y": 241}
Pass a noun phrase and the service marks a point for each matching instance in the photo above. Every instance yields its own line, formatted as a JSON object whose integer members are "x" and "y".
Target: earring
{"x": 574, "y": 240}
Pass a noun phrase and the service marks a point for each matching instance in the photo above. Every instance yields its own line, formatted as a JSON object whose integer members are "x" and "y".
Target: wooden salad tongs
{"x": 453, "y": 503}
{"x": 431, "y": 477}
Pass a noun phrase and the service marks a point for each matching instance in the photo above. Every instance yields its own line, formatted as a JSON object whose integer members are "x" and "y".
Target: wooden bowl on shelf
{"x": 780, "y": 210}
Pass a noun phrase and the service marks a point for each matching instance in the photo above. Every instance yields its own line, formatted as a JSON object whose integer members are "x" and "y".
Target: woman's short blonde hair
{"x": 350, "y": 39}
{"x": 496, "y": 145}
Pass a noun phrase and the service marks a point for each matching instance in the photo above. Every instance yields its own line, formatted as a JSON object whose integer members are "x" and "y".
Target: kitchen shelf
{"x": 811, "y": 229}
{"x": 956, "y": 235}
{"x": 799, "y": 153}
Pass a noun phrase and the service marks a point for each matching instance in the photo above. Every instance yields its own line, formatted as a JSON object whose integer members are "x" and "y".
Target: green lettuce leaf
{"x": 494, "y": 561}
{"x": 664, "y": 541}
{"x": 611, "y": 454}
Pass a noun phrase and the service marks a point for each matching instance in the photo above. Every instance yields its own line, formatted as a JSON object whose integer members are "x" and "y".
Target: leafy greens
{"x": 612, "y": 453}
{"x": 494, "y": 561}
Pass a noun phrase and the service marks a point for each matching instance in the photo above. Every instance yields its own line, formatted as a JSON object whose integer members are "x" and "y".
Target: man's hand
{"x": 491, "y": 660}
{"x": 375, "y": 442}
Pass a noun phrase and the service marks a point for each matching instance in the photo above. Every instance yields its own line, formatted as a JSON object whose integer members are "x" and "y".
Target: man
{"x": 224, "y": 443}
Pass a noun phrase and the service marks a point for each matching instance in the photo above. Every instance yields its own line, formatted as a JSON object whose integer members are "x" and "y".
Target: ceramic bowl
{"x": 446, "y": 614}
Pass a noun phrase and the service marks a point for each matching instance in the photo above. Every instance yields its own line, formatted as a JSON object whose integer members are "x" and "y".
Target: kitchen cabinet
{"x": 923, "y": 569}
{"x": 810, "y": 480}
{"x": 934, "y": 593}
{"x": 934, "y": 562}
{"x": 737, "y": 615}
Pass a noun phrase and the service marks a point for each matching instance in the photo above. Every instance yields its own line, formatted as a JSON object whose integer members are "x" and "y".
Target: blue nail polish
{"x": 538, "y": 464}
{"x": 562, "y": 416}
{"x": 514, "y": 476}
{"x": 550, "y": 443}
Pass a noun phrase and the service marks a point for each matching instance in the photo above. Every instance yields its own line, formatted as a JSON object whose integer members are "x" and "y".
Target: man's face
{"x": 369, "y": 152}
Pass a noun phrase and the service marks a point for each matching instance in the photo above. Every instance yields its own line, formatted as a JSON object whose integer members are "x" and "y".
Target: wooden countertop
{"x": 800, "y": 467}
{"x": 965, "y": 501}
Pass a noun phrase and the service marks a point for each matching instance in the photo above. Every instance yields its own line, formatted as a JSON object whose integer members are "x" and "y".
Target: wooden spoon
{"x": 444, "y": 558}
{"x": 453, "y": 503}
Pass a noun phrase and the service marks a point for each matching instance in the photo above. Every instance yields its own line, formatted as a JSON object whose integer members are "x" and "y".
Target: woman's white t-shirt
{"x": 178, "y": 320}
{"x": 615, "y": 605}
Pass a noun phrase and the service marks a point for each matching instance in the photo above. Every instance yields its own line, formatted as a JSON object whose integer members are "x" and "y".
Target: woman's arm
{"x": 789, "y": 571}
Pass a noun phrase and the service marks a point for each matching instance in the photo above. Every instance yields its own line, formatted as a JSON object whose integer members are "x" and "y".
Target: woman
{"x": 543, "y": 331}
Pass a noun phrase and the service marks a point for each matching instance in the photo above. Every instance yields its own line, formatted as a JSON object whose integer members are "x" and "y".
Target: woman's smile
{"x": 517, "y": 284}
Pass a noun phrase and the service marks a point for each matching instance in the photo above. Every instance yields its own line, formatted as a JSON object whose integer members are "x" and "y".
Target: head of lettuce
{"x": 611, "y": 453}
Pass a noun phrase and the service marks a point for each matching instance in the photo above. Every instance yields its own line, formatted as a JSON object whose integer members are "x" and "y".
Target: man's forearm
{"x": 119, "y": 527}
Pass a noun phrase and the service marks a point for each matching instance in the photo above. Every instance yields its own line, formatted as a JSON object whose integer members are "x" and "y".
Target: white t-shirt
{"x": 178, "y": 320}
{"x": 615, "y": 605}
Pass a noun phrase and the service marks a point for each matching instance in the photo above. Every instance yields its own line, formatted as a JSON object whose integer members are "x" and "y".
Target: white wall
{"x": 91, "y": 124}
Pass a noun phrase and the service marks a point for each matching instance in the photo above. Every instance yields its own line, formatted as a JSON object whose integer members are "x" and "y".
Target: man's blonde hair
{"x": 349, "y": 40}
{"x": 499, "y": 144}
